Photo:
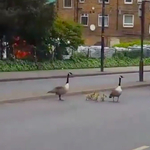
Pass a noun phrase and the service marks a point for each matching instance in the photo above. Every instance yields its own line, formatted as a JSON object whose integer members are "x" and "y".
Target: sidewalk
{"x": 34, "y": 75}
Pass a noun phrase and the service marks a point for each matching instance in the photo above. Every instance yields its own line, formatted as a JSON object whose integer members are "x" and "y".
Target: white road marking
{"x": 141, "y": 148}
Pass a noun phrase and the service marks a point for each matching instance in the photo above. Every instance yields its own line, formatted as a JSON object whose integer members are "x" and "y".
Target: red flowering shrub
{"x": 21, "y": 49}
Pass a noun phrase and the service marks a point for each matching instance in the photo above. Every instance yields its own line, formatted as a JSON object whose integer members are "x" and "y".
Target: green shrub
{"x": 129, "y": 54}
{"x": 22, "y": 65}
{"x": 78, "y": 56}
{"x": 67, "y": 30}
{"x": 127, "y": 44}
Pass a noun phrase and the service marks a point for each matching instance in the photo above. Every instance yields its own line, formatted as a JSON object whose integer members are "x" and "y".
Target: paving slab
{"x": 34, "y": 75}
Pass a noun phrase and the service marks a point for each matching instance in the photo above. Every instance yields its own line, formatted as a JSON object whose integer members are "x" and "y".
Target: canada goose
{"x": 117, "y": 91}
{"x": 61, "y": 90}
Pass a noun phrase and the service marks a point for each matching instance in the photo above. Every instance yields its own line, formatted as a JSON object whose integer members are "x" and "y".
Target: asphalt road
{"x": 42, "y": 86}
{"x": 76, "y": 124}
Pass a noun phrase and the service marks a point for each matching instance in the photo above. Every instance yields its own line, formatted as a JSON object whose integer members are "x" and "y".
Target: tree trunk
{"x": 58, "y": 53}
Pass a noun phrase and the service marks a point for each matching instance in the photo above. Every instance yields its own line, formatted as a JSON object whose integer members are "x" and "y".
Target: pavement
{"x": 35, "y": 89}
{"x": 76, "y": 124}
{"x": 36, "y": 75}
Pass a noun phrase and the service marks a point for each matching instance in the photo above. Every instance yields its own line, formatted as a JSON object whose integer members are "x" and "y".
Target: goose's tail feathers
{"x": 52, "y": 91}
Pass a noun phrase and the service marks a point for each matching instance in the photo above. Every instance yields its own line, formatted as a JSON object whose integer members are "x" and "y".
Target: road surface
{"x": 10, "y": 89}
{"x": 76, "y": 124}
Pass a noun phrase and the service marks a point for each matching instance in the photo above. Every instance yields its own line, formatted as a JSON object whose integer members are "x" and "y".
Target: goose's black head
{"x": 70, "y": 73}
{"x": 121, "y": 76}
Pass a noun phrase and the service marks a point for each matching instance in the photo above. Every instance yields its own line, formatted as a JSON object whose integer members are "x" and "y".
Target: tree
{"x": 66, "y": 30}
{"x": 28, "y": 18}
{"x": 37, "y": 22}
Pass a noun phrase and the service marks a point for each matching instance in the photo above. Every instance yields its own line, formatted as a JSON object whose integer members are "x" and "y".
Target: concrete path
{"x": 24, "y": 89}
{"x": 76, "y": 124}
{"x": 32, "y": 75}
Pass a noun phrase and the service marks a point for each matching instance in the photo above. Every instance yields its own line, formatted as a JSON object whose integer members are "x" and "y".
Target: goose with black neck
{"x": 61, "y": 90}
{"x": 117, "y": 91}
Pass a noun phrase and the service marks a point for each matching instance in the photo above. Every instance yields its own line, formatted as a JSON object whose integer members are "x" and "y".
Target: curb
{"x": 64, "y": 76}
{"x": 139, "y": 85}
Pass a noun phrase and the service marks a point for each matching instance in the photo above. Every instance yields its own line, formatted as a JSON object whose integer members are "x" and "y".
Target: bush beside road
{"x": 80, "y": 63}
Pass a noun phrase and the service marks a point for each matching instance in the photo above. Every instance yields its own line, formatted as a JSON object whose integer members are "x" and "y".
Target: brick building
{"x": 122, "y": 22}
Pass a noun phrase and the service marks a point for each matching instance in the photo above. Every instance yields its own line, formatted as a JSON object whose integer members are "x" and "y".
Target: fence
{"x": 95, "y": 51}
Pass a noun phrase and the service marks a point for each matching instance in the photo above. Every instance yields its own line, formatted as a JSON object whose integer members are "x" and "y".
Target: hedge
{"x": 132, "y": 43}
{"x": 22, "y": 65}
{"x": 130, "y": 54}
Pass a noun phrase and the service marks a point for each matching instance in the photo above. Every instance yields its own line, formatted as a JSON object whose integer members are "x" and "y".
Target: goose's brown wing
{"x": 60, "y": 90}
{"x": 114, "y": 93}
{"x": 57, "y": 90}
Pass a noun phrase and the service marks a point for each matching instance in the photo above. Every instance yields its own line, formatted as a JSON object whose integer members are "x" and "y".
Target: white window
{"x": 67, "y": 3}
{"x": 81, "y": 1}
{"x": 84, "y": 19}
{"x": 128, "y": 20}
{"x": 128, "y": 1}
{"x": 101, "y": 1}
{"x": 106, "y": 20}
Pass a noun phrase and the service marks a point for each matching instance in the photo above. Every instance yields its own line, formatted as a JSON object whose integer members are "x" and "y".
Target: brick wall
{"x": 115, "y": 9}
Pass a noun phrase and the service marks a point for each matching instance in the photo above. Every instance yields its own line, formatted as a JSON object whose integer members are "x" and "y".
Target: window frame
{"x": 100, "y": 16}
{"x": 80, "y": 1}
{"x": 100, "y": 1}
{"x": 66, "y": 6}
{"x": 84, "y": 15}
{"x": 125, "y": 2}
{"x": 124, "y": 24}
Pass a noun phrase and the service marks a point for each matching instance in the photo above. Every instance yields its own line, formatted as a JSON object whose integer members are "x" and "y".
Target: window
{"x": 106, "y": 1}
{"x": 81, "y": 1}
{"x": 67, "y": 3}
{"x": 84, "y": 19}
{"x": 106, "y": 20}
{"x": 128, "y": 1}
{"x": 128, "y": 20}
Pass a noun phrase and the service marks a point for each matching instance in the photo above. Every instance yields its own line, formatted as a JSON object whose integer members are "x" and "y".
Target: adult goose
{"x": 117, "y": 91}
{"x": 61, "y": 90}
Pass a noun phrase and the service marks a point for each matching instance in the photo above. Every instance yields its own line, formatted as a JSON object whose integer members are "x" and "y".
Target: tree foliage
{"x": 36, "y": 22}
{"x": 28, "y": 18}
{"x": 67, "y": 30}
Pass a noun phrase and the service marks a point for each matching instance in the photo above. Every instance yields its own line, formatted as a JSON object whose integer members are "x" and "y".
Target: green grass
{"x": 82, "y": 63}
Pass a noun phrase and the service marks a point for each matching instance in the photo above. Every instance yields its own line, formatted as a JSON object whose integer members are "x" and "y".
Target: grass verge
{"x": 81, "y": 63}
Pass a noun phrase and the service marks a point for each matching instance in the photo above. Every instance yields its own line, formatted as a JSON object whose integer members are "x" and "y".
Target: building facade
{"x": 122, "y": 22}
